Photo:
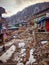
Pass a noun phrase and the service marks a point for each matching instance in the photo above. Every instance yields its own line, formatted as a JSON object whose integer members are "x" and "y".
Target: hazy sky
{"x": 13, "y": 6}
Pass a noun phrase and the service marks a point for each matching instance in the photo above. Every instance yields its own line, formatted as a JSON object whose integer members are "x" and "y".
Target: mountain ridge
{"x": 27, "y": 12}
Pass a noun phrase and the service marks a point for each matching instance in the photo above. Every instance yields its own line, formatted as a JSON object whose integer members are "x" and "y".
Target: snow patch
{"x": 44, "y": 42}
{"x": 20, "y": 64}
{"x": 7, "y": 54}
{"x": 31, "y": 58}
{"x": 21, "y": 44}
{"x": 23, "y": 50}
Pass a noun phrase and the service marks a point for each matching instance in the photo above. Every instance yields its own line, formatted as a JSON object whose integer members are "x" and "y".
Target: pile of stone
{"x": 26, "y": 34}
{"x": 41, "y": 52}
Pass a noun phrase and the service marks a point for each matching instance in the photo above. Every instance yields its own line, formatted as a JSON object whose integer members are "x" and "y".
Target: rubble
{"x": 41, "y": 52}
{"x": 31, "y": 48}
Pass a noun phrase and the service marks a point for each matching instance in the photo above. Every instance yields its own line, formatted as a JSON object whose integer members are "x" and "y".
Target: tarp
{"x": 43, "y": 19}
{"x": 47, "y": 25}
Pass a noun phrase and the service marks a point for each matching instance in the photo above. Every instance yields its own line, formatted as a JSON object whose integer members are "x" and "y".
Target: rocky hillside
{"x": 28, "y": 12}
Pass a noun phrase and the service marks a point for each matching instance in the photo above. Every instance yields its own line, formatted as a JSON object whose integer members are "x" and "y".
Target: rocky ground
{"x": 19, "y": 51}
{"x": 28, "y": 48}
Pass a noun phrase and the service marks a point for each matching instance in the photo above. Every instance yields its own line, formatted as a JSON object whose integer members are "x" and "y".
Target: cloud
{"x": 17, "y": 5}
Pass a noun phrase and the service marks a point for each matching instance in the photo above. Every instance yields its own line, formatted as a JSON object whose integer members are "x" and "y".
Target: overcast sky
{"x": 13, "y": 6}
